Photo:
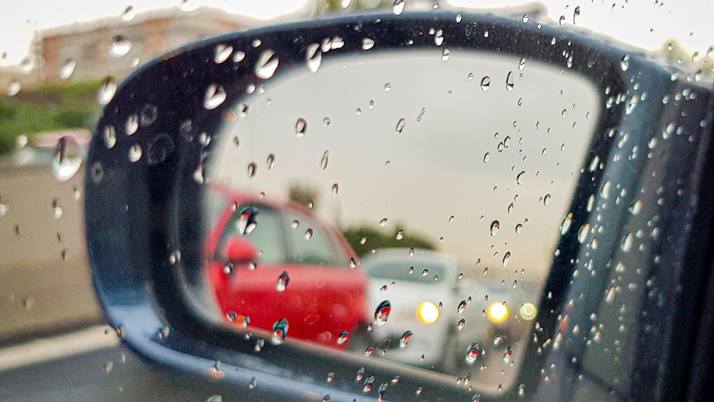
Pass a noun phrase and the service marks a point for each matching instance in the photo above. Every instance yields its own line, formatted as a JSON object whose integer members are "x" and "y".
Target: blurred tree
{"x": 303, "y": 194}
{"x": 47, "y": 108}
{"x": 374, "y": 238}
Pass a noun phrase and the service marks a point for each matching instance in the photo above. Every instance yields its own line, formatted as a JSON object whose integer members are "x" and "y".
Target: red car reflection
{"x": 271, "y": 261}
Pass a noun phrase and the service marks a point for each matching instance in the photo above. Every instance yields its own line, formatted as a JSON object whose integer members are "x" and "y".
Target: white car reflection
{"x": 420, "y": 288}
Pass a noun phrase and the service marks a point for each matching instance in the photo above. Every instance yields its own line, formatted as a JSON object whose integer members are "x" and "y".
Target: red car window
{"x": 266, "y": 236}
{"x": 310, "y": 243}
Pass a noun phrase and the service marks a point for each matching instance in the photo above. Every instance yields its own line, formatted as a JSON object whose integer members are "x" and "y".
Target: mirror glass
{"x": 402, "y": 206}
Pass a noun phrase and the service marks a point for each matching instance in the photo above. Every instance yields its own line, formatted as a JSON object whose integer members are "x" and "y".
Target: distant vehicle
{"x": 273, "y": 261}
{"x": 421, "y": 327}
{"x": 502, "y": 315}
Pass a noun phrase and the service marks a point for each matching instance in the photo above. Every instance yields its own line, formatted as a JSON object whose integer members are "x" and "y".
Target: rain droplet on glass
{"x": 282, "y": 282}
{"x": 214, "y": 97}
{"x": 313, "y": 57}
{"x": 381, "y": 313}
{"x": 267, "y": 64}
{"x": 67, "y": 158}
{"x": 67, "y": 69}
{"x": 485, "y": 83}
{"x": 106, "y": 90}
{"x": 120, "y": 46}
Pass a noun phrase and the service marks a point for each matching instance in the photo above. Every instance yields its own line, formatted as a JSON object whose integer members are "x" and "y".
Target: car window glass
{"x": 311, "y": 243}
{"x": 266, "y": 236}
{"x": 417, "y": 271}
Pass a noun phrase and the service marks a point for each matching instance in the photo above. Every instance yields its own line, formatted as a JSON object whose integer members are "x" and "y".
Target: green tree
{"x": 46, "y": 108}
{"x": 304, "y": 195}
{"x": 365, "y": 238}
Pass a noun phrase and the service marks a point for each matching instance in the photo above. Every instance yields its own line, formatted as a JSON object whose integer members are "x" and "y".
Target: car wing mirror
{"x": 500, "y": 143}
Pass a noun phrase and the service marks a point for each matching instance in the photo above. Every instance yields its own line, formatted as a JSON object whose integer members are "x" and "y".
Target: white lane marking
{"x": 47, "y": 349}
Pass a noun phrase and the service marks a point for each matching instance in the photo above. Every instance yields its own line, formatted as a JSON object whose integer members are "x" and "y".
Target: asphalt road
{"x": 110, "y": 374}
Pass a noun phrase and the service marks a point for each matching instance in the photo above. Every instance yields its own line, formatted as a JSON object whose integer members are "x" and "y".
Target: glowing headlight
{"x": 497, "y": 313}
{"x": 428, "y": 312}
{"x": 527, "y": 311}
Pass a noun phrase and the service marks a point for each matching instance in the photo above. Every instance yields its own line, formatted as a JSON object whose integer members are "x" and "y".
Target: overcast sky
{"x": 436, "y": 166}
{"x": 645, "y": 23}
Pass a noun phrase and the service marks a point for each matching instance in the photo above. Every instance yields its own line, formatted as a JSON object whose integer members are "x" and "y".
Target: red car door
{"x": 302, "y": 274}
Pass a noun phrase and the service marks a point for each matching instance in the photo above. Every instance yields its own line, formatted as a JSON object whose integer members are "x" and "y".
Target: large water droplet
{"x": 495, "y": 226}
{"x": 14, "y": 88}
{"x": 135, "y": 153}
{"x": 626, "y": 242}
{"x": 625, "y": 62}
{"x": 215, "y": 96}
{"x": 439, "y": 37}
{"x": 368, "y": 384}
{"x": 267, "y": 64}
{"x": 381, "y": 314}
{"x": 472, "y": 353}
{"x": 460, "y": 325}
{"x": 238, "y": 56}
{"x": 313, "y": 57}
{"x": 222, "y": 53}
{"x": 109, "y": 135}
{"x": 280, "y": 331}
{"x": 57, "y": 210}
{"x": 401, "y": 124}
{"x": 445, "y": 54}
{"x": 252, "y": 169}
{"x": 636, "y": 207}
{"x": 506, "y": 258}
{"x": 106, "y": 90}
{"x": 120, "y": 46}
{"x": 583, "y": 233}
{"x": 344, "y": 337}
{"x": 300, "y": 127}
{"x": 509, "y": 81}
{"x": 247, "y": 219}
{"x": 128, "y": 14}
{"x": 270, "y": 161}
{"x": 507, "y": 355}
{"x": 485, "y": 83}
{"x": 132, "y": 124}
{"x": 282, "y": 282}
{"x": 67, "y": 69}
{"x": 367, "y": 43}
{"x": 406, "y": 337}
{"x": 324, "y": 160}
{"x": 461, "y": 307}
{"x": 565, "y": 225}
{"x": 67, "y": 158}
{"x": 398, "y": 7}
